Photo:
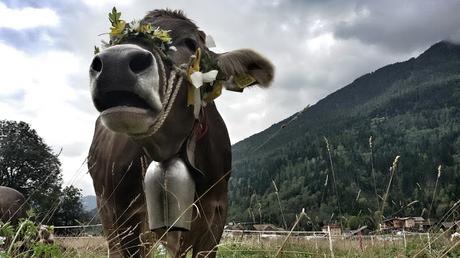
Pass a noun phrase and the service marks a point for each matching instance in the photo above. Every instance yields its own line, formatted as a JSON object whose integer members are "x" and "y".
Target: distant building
{"x": 452, "y": 225}
{"x": 409, "y": 222}
{"x": 428, "y": 224}
{"x": 233, "y": 230}
{"x": 267, "y": 227}
{"x": 335, "y": 229}
{"x": 234, "y": 226}
{"x": 393, "y": 223}
{"x": 406, "y": 223}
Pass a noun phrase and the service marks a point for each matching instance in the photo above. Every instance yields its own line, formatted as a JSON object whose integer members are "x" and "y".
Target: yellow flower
{"x": 146, "y": 28}
{"x": 163, "y": 35}
{"x": 118, "y": 28}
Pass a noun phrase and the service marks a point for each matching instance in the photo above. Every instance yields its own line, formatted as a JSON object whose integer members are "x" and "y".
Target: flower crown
{"x": 120, "y": 30}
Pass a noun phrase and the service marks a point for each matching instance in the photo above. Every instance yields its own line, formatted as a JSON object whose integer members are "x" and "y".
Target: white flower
{"x": 2, "y": 240}
{"x": 135, "y": 25}
{"x": 198, "y": 78}
{"x": 161, "y": 249}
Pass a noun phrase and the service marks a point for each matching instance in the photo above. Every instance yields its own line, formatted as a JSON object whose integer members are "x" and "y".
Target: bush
{"x": 22, "y": 241}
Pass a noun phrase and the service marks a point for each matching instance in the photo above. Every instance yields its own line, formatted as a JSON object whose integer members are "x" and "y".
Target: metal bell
{"x": 169, "y": 192}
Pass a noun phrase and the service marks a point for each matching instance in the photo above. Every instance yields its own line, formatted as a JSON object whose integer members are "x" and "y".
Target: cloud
{"x": 410, "y": 25}
{"x": 27, "y": 18}
{"x": 105, "y": 3}
{"x": 35, "y": 88}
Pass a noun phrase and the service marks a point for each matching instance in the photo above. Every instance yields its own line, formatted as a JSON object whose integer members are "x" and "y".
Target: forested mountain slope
{"x": 411, "y": 109}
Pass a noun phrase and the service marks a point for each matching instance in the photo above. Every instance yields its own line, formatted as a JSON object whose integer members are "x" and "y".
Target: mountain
{"x": 410, "y": 109}
{"x": 89, "y": 202}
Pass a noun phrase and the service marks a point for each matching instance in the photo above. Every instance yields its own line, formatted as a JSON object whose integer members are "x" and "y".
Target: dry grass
{"x": 255, "y": 246}
{"x": 83, "y": 246}
{"x": 258, "y": 245}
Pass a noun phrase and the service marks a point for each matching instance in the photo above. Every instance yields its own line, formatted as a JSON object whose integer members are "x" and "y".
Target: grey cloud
{"x": 64, "y": 6}
{"x": 29, "y": 40}
{"x": 402, "y": 25}
{"x": 14, "y": 99}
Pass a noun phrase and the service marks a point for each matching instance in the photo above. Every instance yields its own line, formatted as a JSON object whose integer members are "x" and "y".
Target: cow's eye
{"x": 190, "y": 44}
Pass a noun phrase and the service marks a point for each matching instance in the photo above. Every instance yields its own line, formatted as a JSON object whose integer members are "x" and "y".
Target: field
{"x": 268, "y": 245}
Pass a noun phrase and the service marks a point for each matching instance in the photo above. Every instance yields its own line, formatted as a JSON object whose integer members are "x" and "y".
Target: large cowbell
{"x": 169, "y": 193}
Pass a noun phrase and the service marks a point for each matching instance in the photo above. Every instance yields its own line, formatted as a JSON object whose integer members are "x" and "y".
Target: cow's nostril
{"x": 96, "y": 65}
{"x": 140, "y": 62}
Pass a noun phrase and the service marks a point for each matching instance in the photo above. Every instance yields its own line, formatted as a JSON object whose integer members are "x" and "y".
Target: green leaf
{"x": 96, "y": 50}
{"x": 114, "y": 16}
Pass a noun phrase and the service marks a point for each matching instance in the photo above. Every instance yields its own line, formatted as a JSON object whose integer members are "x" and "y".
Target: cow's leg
{"x": 105, "y": 212}
{"x": 121, "y": 204}
{"x": 210, "y": 223}
{"x": 175, "y": 243}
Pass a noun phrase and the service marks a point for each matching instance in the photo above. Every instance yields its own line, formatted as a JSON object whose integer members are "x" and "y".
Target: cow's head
{"x": 142, "y": 84}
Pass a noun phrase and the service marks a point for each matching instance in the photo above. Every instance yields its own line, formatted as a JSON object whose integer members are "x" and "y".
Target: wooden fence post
{"x": 330, "y": 241}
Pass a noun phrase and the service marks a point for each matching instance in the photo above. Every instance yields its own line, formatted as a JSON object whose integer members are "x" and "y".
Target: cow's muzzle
{"x": 124, "y": 83}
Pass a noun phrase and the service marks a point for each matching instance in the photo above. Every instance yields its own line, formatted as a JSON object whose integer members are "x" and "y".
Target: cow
{"x": 12, "y": 205}
{"x": 153, "y": 114}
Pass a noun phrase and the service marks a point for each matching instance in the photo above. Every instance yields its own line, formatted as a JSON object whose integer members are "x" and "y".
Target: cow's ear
{"x": 245, "y": 67}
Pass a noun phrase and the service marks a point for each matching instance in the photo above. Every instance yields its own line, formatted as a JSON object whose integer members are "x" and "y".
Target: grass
{"x": 300, "y": 247}
{"x": 24, "y": 243}
{"x": 91, "y": 247}
{"x": 295, "y": 246}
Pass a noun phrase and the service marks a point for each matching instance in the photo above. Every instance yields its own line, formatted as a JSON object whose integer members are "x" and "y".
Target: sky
{"x": 317, "y": 47}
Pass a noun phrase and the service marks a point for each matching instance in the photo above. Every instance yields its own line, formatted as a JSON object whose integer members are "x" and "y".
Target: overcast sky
{"x": 317, "y": 47}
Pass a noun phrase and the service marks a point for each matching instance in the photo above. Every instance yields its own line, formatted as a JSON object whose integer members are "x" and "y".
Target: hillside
{"x": 89, "y": 202}
{"x": 411, "y": 109}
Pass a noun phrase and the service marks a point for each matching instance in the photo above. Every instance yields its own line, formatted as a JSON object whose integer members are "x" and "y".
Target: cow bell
{"x": 169, "y": 193}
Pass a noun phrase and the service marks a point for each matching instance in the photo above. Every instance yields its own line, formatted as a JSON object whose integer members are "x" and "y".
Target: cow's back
{"x": 12, "y": 204}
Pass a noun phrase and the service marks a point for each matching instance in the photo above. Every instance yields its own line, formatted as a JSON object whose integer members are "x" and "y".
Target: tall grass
{"x": 393, "y": 169}
{"x": 279, "y": 204}
{"x": 299, "y": 217}
{"x": 373, "y": 170}
{"x": 334, "y": 181}
{"x": 295, "y": 246}
{"x": 434, "y": 191}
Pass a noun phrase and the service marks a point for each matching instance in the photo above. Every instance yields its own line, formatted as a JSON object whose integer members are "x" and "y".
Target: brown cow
{"x": 133, "y": 85}
{"x": 12, "y": 205}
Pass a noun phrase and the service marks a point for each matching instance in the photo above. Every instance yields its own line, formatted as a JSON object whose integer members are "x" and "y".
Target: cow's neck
{"x": 168, "y": 141}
